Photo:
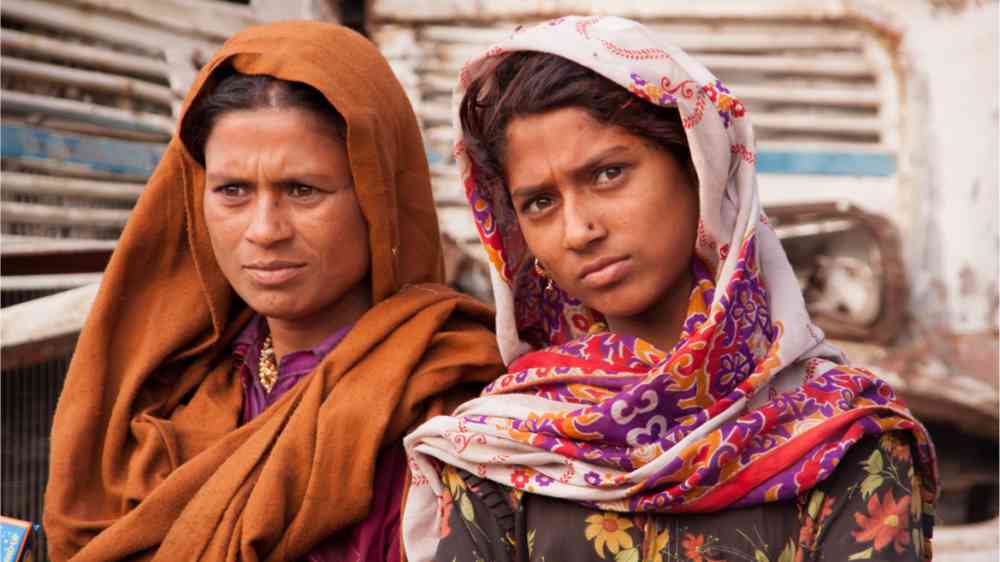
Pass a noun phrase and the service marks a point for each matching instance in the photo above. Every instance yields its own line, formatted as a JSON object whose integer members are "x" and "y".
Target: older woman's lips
{"x": 605, "y": 271}
{"x": 273, "y": 273}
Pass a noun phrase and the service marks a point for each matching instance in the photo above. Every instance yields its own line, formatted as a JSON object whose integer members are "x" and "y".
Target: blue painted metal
{"x": 827, "y": 163}
{"x": 879, "y": 164}
{"x": 131, "y": 158}
{"x": 433, "y": 156}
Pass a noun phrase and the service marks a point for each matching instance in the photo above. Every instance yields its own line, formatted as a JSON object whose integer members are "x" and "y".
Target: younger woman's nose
{"x": 581, "y": 226}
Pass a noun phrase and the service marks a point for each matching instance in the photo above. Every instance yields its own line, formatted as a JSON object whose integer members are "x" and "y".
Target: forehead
{"x": 274, "y": 121}
{"x": 293, "y": 135}
{"x": 558, "y": 141}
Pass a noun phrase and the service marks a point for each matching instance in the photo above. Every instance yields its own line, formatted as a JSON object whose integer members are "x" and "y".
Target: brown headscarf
{"x": 148, "y": 458}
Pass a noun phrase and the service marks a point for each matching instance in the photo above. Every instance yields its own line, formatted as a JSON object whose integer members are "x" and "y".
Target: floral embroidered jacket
{"x": 869, "y": 509}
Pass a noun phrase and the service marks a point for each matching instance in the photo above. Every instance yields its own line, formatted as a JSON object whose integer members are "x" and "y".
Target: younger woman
{"x": 667, "y": 396}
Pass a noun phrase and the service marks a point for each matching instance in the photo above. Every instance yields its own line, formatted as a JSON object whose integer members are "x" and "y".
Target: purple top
{"x": 291, "y": 368}
{"x": 377, "y": 536}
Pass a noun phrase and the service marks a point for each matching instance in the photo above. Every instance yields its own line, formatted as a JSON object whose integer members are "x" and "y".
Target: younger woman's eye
{"x": 609, "y": 174}
{"x": 537, "y": 205}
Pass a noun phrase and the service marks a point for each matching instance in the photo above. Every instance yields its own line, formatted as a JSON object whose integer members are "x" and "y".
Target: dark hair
{"x": 529, "y": 83}
{"x": 236, "y": 92}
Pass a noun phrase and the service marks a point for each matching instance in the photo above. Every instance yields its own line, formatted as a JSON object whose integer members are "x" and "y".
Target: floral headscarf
{"x": 750, "y": 406}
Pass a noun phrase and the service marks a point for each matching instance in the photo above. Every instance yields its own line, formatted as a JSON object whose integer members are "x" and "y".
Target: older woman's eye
{"x": 231, "y": 191}
{"x": 609, "y": 174}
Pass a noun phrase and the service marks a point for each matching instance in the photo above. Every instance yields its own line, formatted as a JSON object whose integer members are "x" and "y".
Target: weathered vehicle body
{"x": 877, "y": 151}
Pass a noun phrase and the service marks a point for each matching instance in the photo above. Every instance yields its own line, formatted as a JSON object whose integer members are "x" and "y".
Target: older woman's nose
{"x": 269, "y": 222}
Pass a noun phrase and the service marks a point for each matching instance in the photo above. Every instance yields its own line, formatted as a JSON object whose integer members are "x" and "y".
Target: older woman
{"x": 270, "y": 323}
{"x": 667, "y": 396}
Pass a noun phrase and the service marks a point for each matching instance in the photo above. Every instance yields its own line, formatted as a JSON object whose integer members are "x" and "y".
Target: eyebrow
{"x": 584, "y": 169}
{"x": 222, "y": 179}
{"x": 305, "y": 178}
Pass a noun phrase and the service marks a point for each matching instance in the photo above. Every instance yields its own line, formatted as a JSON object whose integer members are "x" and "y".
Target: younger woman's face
{"x": 611, "y": 216}
{"x": 282, "y": 215}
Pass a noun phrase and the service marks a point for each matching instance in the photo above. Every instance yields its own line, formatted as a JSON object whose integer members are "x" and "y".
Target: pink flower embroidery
{"x": 519, "y": 478}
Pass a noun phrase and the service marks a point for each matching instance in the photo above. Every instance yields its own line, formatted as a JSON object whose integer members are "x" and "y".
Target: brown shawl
{"x": 148, "y": 460}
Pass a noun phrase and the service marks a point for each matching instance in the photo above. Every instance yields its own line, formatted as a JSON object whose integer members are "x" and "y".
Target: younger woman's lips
{"x": 271, "y": 277}
{"x": 607, "y": 275}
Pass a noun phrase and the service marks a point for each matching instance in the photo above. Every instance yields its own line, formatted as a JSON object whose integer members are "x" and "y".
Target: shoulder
{"x": 875, "y": 454}
{"x": 874, "y": 504}
{"x": 885, "y": 462}
{"x": 478, "y": 519}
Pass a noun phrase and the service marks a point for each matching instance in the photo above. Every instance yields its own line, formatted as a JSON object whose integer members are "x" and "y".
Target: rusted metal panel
{"x": 951, "y": 379}
{"x": 969, "y": 543}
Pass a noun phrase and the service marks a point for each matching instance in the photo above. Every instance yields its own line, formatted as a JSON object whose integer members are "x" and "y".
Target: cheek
{"x": 224, "y": 232}
{"x": 677, "y": 222}
{"x": 340, "y": 237}
{"x": 353, "y": 231}
{"x": 670, "y": 208}
{"x": 543, "y": 241}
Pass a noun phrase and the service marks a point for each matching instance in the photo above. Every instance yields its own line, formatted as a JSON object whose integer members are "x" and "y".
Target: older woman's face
{"x": 612, "y": 217}
{"x": 282, "y": 214}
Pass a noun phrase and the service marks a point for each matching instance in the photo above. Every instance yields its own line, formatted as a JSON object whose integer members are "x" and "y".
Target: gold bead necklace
{"x": 267, "y": 365}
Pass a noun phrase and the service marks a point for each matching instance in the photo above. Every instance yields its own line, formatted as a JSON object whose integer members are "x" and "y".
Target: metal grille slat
{"x": 29, "y": 398}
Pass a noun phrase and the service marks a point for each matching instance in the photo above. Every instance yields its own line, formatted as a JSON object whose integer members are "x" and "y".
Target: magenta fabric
{"x": 375, "y": 538}
{"x": 291, "y": 368}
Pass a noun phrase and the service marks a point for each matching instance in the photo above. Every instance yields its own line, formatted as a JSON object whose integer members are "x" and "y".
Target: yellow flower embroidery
{"x": 451, "y": 479}
{"x": 916, "y": 503}
{"x": 610, "y": 530}
{"x": 660, "y": 545}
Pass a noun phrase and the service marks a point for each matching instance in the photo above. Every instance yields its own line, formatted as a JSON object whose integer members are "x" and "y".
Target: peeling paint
{"x": 967, "y": 283}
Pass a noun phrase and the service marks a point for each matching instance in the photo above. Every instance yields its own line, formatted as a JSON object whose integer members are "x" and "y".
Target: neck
{"x": 661, "y": 323}
{"x": 290, "y": 335}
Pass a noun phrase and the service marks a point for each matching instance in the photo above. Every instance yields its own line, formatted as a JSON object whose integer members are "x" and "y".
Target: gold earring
{"x": 550, "y": 286}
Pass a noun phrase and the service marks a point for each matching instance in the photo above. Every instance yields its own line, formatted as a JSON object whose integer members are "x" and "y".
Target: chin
{"x": 620, "y": 304}
{"x": 280, "y": 307}
{"x": 276, "y": 312}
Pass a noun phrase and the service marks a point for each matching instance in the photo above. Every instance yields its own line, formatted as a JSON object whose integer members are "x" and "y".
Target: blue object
{"x": 13, "y": 539}
{"x": 827, "y": 163}
{"x": 132, "y": 158}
